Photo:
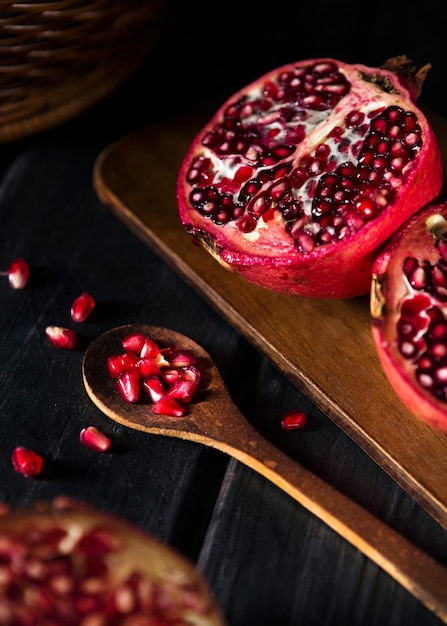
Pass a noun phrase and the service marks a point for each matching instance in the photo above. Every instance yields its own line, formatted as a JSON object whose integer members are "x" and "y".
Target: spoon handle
{"x": 415, "y": 570}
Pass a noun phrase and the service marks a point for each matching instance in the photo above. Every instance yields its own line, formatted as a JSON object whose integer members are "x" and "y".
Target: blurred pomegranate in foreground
{"x": 301, "y": 176}
{"x": 73, "y": 566}
{"x": 408, "y": 308}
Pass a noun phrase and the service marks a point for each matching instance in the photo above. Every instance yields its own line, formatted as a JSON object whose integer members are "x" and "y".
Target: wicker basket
{"x": 59, "y": 57}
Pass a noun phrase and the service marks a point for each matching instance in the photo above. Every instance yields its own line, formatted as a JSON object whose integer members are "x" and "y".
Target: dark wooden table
{"x": 268, "y": 561}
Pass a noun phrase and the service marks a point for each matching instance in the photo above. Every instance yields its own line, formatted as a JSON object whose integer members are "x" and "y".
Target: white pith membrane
{"x": 306, "y": 129}
{"x": 78, "y": 567}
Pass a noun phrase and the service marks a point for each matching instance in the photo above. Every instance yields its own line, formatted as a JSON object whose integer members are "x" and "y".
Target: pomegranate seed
{"x": 26, "y": 461}
{"x": 154, "y": 388}
{"x": 293, "y": 420}
{"x": 148, "y": 367}
{"x": 82, "y": 306}
{"x": 129, "y": 385}
{"x": 18, "y": 274}
{"x": 182, "y": 358}
{"x": 168, "y": 406}
{"x": 133, "y": 342}
{"x": 149, "y": 349}
{"x": 119, "y": 363}
{"x": 61, "y": 337}
{"x": 94, "y": 439}
{"x": 183, "y": 390}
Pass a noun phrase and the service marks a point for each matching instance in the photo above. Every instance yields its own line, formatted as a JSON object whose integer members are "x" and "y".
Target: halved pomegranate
{"x": 409, "y": 314}
{"x": 72, "y": 565}
{"x": 300, "y": 176}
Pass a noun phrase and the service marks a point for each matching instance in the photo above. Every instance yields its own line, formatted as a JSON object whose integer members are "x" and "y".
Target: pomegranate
{"x": 69, "y": 564}
{"x": 409, "y": 314}
{"x": 302, "y": 175}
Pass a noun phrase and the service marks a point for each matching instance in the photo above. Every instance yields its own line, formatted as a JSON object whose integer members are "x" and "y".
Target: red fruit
{"x": 301, "y": 176}
{"x": 82, "y": 306}
{"x": 18, "y": 274}
{"x": 409, "y": 316}
{"x": 154, "y": 388}
{"x": 26, "y": 461}
{"x": 128, "y": 384}
{"x": 61, "y": 337}
{"x": 183, "y": 390}
{"x": 66, "y": 563}
{"x": 119, "y": 363}
{"x": 133, "y": 342}
{"x": 168, "y": 406}
{"x": 94, "y": 439}
{"x": 294, "y": 420}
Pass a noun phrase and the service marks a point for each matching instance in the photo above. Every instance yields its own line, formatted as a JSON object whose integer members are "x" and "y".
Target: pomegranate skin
{"x": 240, "y": 193}
{"x": 409, "y": 325}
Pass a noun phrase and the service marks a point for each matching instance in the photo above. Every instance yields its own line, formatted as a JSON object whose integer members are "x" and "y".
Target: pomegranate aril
{"x": 148, "y": 367}
{"x": 183, "y": 390}
{"x": 154, "y": 387}
{"x": 133, "y": 342}
{"x": 294, "y": 420}
{"x": 128, "y": 384}
{"x": 182, "y": 358}
{"x": 26, "y": 461}
{"x": 82, "y": 306}
{"x": 168, "y": 406}
{"x": 94, "y": 439}
{"x": 119, "y": 363}
{"x": 61, "y": 337}
{"x": 149, "y": 349}
{"x": 18, "y": 274}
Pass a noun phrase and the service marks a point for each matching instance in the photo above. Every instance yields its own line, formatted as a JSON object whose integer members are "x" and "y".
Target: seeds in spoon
{"x": 169, "y": 376}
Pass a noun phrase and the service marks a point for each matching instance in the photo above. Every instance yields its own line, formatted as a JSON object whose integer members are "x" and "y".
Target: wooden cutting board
{"x": 323, "y": 347}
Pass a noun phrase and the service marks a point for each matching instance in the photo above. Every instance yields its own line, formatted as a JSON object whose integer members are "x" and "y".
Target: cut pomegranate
{"x": 94, "y": 439}
{"x": 294, "y": 420}
{"x": 82, "y": 306}
{"x": 18, "y": 274}
{"x": 70, "y": 564}
{"x": 169, "y": 375}
{"x": 61, "y": 337}
{"x": 409, "y": 318}
{"x": 301, "y": 176}
{"x": 26, "y": 461}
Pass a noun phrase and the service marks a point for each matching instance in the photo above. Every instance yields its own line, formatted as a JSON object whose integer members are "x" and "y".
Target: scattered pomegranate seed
{"x": 26, "y": 462}
{"x": 82, "y": 306}
{"x": 293, "y": 420}
{"x": 94, "y": 439}
{"x": 18, "y": 274}
{"x": 61, "y": 337}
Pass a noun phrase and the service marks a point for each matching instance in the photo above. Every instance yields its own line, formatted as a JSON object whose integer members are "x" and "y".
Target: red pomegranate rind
{"x": 408, "y": 309}
{"x": 75, "y": 565}
{"x": 301, "y": 176}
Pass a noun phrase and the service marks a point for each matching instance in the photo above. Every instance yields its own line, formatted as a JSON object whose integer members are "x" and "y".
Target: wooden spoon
{"x": 213, "y": 420}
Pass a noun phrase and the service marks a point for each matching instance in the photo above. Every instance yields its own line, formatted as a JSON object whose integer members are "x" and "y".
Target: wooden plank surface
{"x": 324, "y": 347}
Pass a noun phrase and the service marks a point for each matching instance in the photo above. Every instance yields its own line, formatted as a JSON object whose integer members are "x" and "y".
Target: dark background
{"x": 216, "y": 49}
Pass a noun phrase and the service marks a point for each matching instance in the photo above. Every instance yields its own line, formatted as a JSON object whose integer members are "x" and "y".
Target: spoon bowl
{"x": 214, "y": 420}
